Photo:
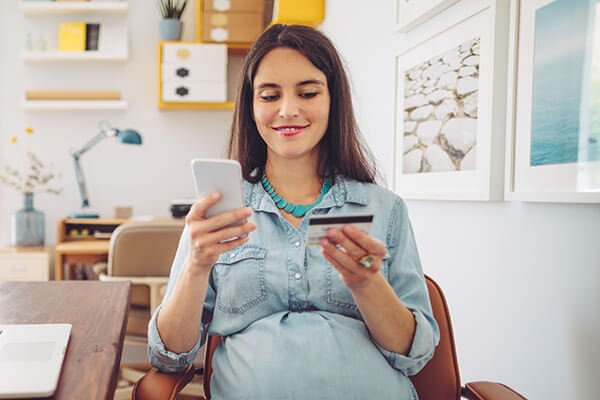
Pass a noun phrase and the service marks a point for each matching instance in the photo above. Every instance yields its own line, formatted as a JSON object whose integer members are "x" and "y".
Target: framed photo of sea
{"x": 555, "y": 138}
{"x": 450, "y": 108}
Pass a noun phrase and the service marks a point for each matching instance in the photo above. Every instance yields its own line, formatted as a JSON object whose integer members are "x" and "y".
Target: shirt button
{"x": 232, "y": 255}
{"x": 297, "y": 275}
{"x": 297, "y": 244}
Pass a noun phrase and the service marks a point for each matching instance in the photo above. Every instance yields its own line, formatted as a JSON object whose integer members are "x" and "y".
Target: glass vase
{"x": 27, "y": 225}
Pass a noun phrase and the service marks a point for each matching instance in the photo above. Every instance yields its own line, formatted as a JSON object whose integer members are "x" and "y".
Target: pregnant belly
{"x": 310, "y": 355}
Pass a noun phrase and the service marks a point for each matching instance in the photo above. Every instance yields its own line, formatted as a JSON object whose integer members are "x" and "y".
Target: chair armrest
{"x": 100, "y": 268}
{"x": 156, "y": 385}
{"x": 136, "y": 280}
{"x": 489, "y": 391}
{"x": 156, "y": 284}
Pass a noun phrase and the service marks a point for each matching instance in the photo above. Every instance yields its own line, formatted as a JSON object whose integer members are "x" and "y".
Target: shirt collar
{"x": 343, "y": 191}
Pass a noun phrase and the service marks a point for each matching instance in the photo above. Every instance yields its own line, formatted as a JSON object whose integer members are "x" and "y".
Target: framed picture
{"x": 410, "y": 13}
{"x": 555, "y": 139}
{"x": 450, "y": 111}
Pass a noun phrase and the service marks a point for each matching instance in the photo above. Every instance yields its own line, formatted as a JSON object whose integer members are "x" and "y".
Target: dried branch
{"x": 32, "y": 180}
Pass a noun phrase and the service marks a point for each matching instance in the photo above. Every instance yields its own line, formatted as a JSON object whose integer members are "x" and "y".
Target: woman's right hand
{"x": 207, "y": 235}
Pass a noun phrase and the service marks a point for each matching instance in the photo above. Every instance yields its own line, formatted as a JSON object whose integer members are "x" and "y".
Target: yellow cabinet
{"x": 193, "y": 76}
{"x": 303, "y": 12}
{"x": 234, "y": 22}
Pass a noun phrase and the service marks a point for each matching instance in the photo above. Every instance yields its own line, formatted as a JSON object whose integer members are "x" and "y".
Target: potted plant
{"x": 171, "y": 11}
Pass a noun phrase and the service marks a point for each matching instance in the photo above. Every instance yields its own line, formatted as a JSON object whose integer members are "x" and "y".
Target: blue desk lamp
{"x": 127, "y": 136}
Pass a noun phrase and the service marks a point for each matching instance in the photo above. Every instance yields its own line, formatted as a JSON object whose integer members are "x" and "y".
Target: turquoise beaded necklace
{"x": 297, "y": 210}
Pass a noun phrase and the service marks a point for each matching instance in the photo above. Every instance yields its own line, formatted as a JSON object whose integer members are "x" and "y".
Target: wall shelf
{"x": 196, "y": 106}
{"x": 48, "y": 56}
{"x": 76, "y": 7}
{"x": 56, "y": 105}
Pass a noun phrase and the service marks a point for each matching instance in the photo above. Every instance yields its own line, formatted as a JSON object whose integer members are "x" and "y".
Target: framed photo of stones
{"x": 555, "y": 142}
{"x": 410, "y": 13}
{"x": 450, "y": 111}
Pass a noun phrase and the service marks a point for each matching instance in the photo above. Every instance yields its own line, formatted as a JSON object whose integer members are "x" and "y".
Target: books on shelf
{"x": 78, "y": 36}
{"x": 81, "y": 36}
{"x": 71, "y": 36}
{"x": 113, "y": 39}
{"x": 92, "y": 34}
{"x": 36, "y": 95}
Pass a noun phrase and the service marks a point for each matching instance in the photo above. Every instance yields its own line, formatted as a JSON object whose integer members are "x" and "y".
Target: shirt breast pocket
{"x": 241, "y": 279}
{"x": 338, "y": 294}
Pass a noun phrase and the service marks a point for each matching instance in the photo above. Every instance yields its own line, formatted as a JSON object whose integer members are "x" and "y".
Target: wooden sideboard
{"x": 82, "y": 241}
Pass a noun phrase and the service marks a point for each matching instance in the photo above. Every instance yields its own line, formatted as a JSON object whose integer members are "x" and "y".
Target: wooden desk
{"x": 98, "y": 312}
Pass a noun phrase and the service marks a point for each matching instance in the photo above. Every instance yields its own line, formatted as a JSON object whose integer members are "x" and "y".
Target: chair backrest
{"x": 438, "y": 380}
{"x": 144, "y": 248}
{"x": 212, "y": 342}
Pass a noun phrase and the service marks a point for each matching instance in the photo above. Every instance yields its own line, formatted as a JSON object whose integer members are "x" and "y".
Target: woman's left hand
{"x": 344, "y": 248}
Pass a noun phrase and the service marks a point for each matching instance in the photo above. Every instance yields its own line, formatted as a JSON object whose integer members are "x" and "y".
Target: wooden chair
{"x": 141, "y": 252}
{"x": 439, "y": 380}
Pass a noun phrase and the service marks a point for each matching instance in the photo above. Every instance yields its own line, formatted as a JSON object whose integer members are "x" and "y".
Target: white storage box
{"x": 198, "y": 91}
{"x": 194, "y": 53}
{"x": 194, "y": 72}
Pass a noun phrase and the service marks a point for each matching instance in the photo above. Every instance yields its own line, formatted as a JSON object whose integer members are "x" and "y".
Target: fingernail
{"x": 215, "y": 195}
{"x": 248, "y": 211}
{"x": 349, "y": 228}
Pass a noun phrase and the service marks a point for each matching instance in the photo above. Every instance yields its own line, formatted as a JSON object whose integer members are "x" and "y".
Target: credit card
{"x": 319, "y": 224}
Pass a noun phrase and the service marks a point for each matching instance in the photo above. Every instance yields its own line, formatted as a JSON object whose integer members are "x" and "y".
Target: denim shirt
{"x": 276, "y": 272}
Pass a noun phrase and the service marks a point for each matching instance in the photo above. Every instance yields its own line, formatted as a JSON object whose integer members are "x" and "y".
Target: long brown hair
{"x": 342, "y": 149}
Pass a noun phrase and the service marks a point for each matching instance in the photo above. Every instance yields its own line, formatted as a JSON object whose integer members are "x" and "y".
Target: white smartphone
{"x": 223, "y": 176}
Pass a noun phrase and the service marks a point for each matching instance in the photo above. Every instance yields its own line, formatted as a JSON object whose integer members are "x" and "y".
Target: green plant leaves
{"x": 171, "y": 8}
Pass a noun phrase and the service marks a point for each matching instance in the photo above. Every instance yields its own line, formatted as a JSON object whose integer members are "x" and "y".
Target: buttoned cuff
{"x": 421, "y": 350}
{"x": 166, "y": 360}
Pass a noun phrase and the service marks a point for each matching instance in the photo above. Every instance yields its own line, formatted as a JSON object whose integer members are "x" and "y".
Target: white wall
{"x": 2, "y": 94}
{"x": 147, "y": 177}
{"x": 521, "y": 279}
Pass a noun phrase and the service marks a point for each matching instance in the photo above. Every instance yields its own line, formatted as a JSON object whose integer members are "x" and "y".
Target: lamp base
{"x": 84, "y": 214}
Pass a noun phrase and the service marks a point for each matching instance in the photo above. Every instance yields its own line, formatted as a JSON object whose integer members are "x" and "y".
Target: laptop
{"x": 31, "y": 357}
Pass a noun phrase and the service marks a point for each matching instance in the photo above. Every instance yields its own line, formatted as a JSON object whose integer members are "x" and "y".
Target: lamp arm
{"x": 80, "y": 181}
{"x": 103, "y": 134}
{"x": 91, "y": 143}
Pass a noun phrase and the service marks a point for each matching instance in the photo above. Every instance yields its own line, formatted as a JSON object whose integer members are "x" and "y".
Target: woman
{"x": 347, "y": 319}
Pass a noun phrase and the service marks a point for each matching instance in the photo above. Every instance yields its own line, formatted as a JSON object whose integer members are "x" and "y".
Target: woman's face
{"x": 290, "y": 104}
